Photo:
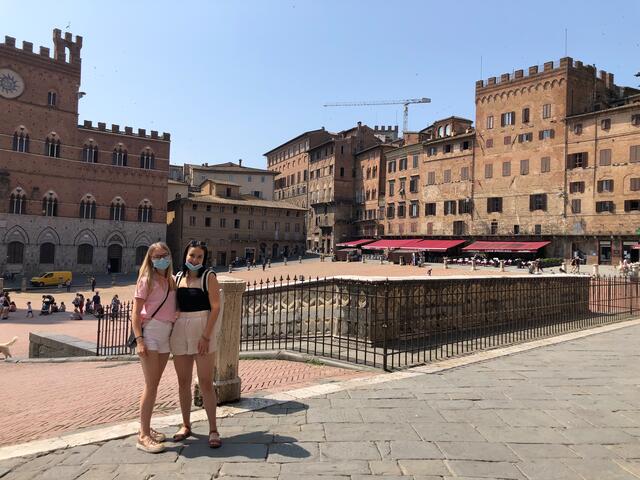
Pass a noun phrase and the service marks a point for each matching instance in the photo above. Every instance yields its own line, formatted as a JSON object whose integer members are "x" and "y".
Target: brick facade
{"x": 75, "y": 197}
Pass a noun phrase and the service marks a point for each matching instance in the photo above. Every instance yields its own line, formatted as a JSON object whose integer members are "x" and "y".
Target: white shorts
{"x": 156, "y": 335}
{"x": 187, "y": 331}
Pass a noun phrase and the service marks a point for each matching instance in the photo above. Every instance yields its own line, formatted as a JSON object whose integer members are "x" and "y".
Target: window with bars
{"x": 537, "y": 229}
{"x": 493, "y": 229}
{"x": 507, "y": 140}
{"x": 538, "y": 202}
{"x": 576, "y": 205}
{"x": 577, "y": 160}
{"x": 15, "y": 252}
{"x": 21, "y": 142}
{"x": 85, "y": 254}
{"x": 47, "y": 253}
{"x": 494, "y": 204}
{"x": 52, "y": 147}
{"x": 488, "y": 170}
{"x": 413, "y": 184}
{"x": 605, "y": 186}
{"x": 605, "y": 156}
{"x": 546, "y": 134}
{"x": 117, "y": 211}
{"x": 489, "y": 143}
{"x": 50, "y": 206}
{"x": 506, "y": 169}
{"x": 634, "y": 184}
{"x": 429, "y": 209}
{"x": 459, "y": 227}
{"x": 450, "y": 207}
{"x": 147, "y": 160}
{"x": 465, "y": 206}
{"x": 119, "y": 157}
{"x": 576, "y": 187}
{"x": 545, "y": 164}
{"x": 88, "y": 209}
{"x": 144, "y": 213}
{"x": 90, "y": 153}
{"x": 18, "y": 203}
{"x": 447, "y": 176}
{"x": 414, "y": 209}
{"x": 632, "y": 205}
{"x": 524, "y": 167}
{"x": 607, "y": 206}
{"x": 508, "y": 118}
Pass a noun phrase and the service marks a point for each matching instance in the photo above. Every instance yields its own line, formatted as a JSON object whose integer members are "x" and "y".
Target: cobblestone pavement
{"x": 566, "y": 411}
{"x": 41, "y": 400}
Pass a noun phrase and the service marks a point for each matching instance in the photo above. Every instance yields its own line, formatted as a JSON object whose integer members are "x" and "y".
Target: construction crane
{"x": 406, "y": 104}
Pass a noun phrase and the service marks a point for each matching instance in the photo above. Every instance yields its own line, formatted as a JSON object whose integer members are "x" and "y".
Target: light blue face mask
{"x": 161, "y": 263}
{"x": 192, "y": 267}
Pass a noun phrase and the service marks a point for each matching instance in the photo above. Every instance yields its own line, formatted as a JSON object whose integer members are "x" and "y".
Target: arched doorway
{"x": 274, "y": 251}
{"x": 114, "y": 257}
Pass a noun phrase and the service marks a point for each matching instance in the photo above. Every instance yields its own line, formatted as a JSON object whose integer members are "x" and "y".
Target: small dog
{"x": 4, "y": 347}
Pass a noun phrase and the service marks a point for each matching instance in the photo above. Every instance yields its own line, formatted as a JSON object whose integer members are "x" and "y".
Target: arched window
{"x": 47, "y": 253}
{"x": 144, "y": 211}
{"x": 52, "y": 146}
{"x": 18, "y": 202}
{"x": 119, "y": 156}
{"x": 50, "y": 205}
{"x": 85, "y": 254}
{"x": 116, "y": 212}
{"x": 90, "y": 152}
{"x": 88, "y": 207}
{"x": 21, "y": 141}
{"x": 15, "y": 252}
{"x": 141, "y": 251}
{"x": 147, "y": 159}
{"x": 52, "y": 99}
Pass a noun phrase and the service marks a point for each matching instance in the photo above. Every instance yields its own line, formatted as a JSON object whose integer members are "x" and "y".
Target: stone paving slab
{"x": 453, "y": 424}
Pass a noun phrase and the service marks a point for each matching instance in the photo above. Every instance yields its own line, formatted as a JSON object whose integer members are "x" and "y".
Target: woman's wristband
{"x": 139, "y": 336}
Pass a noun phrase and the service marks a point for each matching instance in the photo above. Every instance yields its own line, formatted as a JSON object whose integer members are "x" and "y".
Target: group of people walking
{"x": 179, "y": 315}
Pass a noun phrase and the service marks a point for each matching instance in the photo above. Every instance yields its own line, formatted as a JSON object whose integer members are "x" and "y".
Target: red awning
{"x": 636, "y": 246}
{"x": 523, "y": 247}
{"x": 354, "y": 243}
{"x": 437, "y": 245}
{"x": 389, "y": 244}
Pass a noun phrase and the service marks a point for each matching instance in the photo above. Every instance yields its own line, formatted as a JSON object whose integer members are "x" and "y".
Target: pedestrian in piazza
{"x": 194, "y": 338}
{"x": 154, "y": 312}
{"x": 93, "y": 283}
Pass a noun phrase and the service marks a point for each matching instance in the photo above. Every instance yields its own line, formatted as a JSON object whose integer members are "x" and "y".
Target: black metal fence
{"x": 396, "y": 324}
{"x": 113, "y": 330}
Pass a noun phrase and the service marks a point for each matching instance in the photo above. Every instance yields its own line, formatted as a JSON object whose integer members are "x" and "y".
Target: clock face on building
{"x": 11, "y": 83}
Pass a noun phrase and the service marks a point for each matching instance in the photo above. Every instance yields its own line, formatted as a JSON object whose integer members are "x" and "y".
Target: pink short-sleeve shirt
{"x": 153, "y": 299}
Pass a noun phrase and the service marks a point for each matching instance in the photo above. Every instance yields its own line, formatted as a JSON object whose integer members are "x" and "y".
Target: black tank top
{"x": 193, "y": 299}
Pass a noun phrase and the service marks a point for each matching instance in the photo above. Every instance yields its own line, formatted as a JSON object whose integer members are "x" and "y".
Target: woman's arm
{"x": 136, "y": 325}
{"x": 213, "y": 287}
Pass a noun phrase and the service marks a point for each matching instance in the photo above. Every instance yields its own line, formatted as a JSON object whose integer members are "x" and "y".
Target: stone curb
{"x": 249, "y": 404}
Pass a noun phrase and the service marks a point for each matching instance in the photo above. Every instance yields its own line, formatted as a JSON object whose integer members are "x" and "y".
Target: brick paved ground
{"x": 43, "y": 400}
{"x": 567, "y": 411}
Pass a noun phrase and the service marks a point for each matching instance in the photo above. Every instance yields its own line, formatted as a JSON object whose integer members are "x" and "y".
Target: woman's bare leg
{"x": 153, "y": 364}
{"x": 205, "y": 366}
{"x": 184, "y": 371}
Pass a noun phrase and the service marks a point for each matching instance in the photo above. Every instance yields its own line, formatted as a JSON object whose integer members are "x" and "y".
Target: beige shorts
{"x": 156, "y": 335}
{"x": 187, "y": 331}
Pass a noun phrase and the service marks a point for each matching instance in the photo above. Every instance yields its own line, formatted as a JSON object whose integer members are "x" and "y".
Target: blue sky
{"x": 234, "y": 79}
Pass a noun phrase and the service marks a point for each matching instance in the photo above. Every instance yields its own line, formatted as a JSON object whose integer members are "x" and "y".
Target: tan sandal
{"x": 181, "y": 437}
{"x": 214, "y": 439}
{"x": 149, "y": 445}
{"x": 157, "y": 436}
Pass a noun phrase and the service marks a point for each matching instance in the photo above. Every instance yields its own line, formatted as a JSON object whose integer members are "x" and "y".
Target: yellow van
{"x": 51, "y": 279}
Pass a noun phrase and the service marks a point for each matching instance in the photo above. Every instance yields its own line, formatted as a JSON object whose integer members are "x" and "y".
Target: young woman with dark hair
{"x": 194, "y": 336}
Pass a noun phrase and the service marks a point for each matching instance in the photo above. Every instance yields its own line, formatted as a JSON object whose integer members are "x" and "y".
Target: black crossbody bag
{"x": 132, "y": 340}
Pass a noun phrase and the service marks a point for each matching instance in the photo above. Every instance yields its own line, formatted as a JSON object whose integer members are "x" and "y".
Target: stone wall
{"x": 53, "y": 345}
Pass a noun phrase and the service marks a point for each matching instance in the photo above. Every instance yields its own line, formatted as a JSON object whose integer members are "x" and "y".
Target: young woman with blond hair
{"x": 154, "y": 312}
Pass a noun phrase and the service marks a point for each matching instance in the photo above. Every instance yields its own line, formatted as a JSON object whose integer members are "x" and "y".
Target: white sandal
{"x": 149, "y": 445}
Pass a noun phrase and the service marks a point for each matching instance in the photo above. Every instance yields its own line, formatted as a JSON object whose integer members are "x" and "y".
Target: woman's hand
{"x": 141, "y": 348}
{"x": 203, "y": 345}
